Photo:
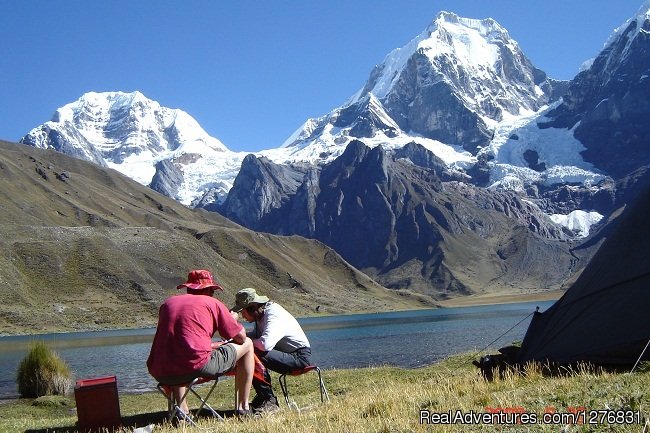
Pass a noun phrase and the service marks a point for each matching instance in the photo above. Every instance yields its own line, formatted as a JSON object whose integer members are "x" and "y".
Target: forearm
{"x": 240, "y": 338}
{"x": 259, "y": 345}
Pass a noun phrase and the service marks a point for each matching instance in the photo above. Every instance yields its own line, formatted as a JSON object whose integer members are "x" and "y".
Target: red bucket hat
{"x": 200, "y": 279}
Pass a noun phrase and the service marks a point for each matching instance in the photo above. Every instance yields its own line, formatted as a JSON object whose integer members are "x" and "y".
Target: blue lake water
{"x": 406, "y": 339}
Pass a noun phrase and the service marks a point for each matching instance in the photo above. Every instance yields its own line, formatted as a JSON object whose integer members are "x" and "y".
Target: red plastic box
{"x": 98, "y": 404}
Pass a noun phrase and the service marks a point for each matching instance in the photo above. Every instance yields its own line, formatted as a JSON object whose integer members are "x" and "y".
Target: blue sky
{"x": 251, "y": 72}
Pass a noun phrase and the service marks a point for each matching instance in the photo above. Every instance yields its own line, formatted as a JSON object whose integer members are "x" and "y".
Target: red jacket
{"x": 186, "y": 325}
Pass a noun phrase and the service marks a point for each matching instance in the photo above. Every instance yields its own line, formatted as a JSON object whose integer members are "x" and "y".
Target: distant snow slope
{"x": 578, "y": 221}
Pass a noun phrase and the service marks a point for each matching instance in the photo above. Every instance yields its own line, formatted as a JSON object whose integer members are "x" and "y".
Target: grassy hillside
{"x": 82, "y": 247}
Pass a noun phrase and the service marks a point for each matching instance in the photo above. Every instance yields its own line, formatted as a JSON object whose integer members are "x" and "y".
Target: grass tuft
{"x": 42, "y": 372}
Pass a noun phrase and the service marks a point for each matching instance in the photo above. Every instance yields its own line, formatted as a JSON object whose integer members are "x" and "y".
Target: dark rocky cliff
{"x": 611, "y": 102}
{"x": 405, "y": 227}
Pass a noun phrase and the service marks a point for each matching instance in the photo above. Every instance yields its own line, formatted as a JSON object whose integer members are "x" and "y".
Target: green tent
{"x": 604, "y": 317}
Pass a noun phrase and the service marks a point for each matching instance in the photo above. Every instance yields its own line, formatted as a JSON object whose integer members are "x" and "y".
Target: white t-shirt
{"x": 278, "y": 329}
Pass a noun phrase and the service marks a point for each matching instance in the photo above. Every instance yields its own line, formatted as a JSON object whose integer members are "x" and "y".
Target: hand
{"x": 234, "y": 315}
{"x": 216, "y": 344}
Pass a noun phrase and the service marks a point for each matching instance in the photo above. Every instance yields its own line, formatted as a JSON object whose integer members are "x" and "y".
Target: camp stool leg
{"x": 204, "y": 400}
{"x": 324, "y": 396}
{"x": 174, "y": 408}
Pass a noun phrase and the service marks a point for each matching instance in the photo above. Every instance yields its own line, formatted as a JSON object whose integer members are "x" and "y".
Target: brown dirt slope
{"x": 82, "y": 247}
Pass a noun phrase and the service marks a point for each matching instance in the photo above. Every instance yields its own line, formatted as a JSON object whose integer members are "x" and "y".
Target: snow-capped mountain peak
{"x": 117, "y": 117}
{"x": 457, "y": 71}
{"x": 461, "y": 88}
{"x": 475, "y": 42}
{"x": 125, "y": 131}
{"x": 476, "y": 45}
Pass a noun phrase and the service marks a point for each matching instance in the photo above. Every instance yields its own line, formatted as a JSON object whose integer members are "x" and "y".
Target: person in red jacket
{"x": 182, "y": 347}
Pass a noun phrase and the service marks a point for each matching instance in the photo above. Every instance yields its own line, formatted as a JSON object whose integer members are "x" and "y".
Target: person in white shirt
{"x": 279, "y": 341}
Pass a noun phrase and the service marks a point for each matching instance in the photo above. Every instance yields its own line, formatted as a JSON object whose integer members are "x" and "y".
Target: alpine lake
{"x": 408, "y": 339}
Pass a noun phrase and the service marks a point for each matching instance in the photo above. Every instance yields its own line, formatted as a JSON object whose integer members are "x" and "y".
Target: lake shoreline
{"x": 494, "y": 298}
{"x": 502, "y": 298}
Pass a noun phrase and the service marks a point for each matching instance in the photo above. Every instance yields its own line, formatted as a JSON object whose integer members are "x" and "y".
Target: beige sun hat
{"x": 246, "y": 297}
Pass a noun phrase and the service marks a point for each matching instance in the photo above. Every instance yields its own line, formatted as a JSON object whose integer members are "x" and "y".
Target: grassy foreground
{"x": 387, "y": 399}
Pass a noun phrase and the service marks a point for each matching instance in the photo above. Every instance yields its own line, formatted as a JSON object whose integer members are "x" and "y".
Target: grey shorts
{"x": 221, "y": 361}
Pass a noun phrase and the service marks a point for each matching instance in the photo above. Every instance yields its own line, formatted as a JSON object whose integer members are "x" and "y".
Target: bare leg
{"x": 244, "y": 376}
{"x": 178, "y": 392}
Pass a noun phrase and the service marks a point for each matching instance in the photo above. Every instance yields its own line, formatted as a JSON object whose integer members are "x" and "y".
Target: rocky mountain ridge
{"x": 384, "y": 214}
{"x": 608, "y": 104}
{"x": 452, "y": 83}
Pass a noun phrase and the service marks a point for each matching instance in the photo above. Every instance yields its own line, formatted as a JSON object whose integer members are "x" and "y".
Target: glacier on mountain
{"x": 556, "y": 148}
{"x": 578, "y": 221}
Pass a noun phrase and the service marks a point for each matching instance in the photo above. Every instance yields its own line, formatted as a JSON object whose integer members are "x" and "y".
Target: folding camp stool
{"x": 324, "y": 396}
{"x": 174, "y": 407}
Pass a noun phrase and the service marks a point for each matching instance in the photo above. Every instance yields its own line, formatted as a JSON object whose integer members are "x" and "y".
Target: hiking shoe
{"x": 268, "y": 406}
{"x": 257, "y": 402}
{"x": 244, "y": 413}
{"x": 181, "y": 419}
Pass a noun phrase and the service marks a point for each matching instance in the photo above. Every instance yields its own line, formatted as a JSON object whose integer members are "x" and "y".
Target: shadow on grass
{"x": 134, "y": 421}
